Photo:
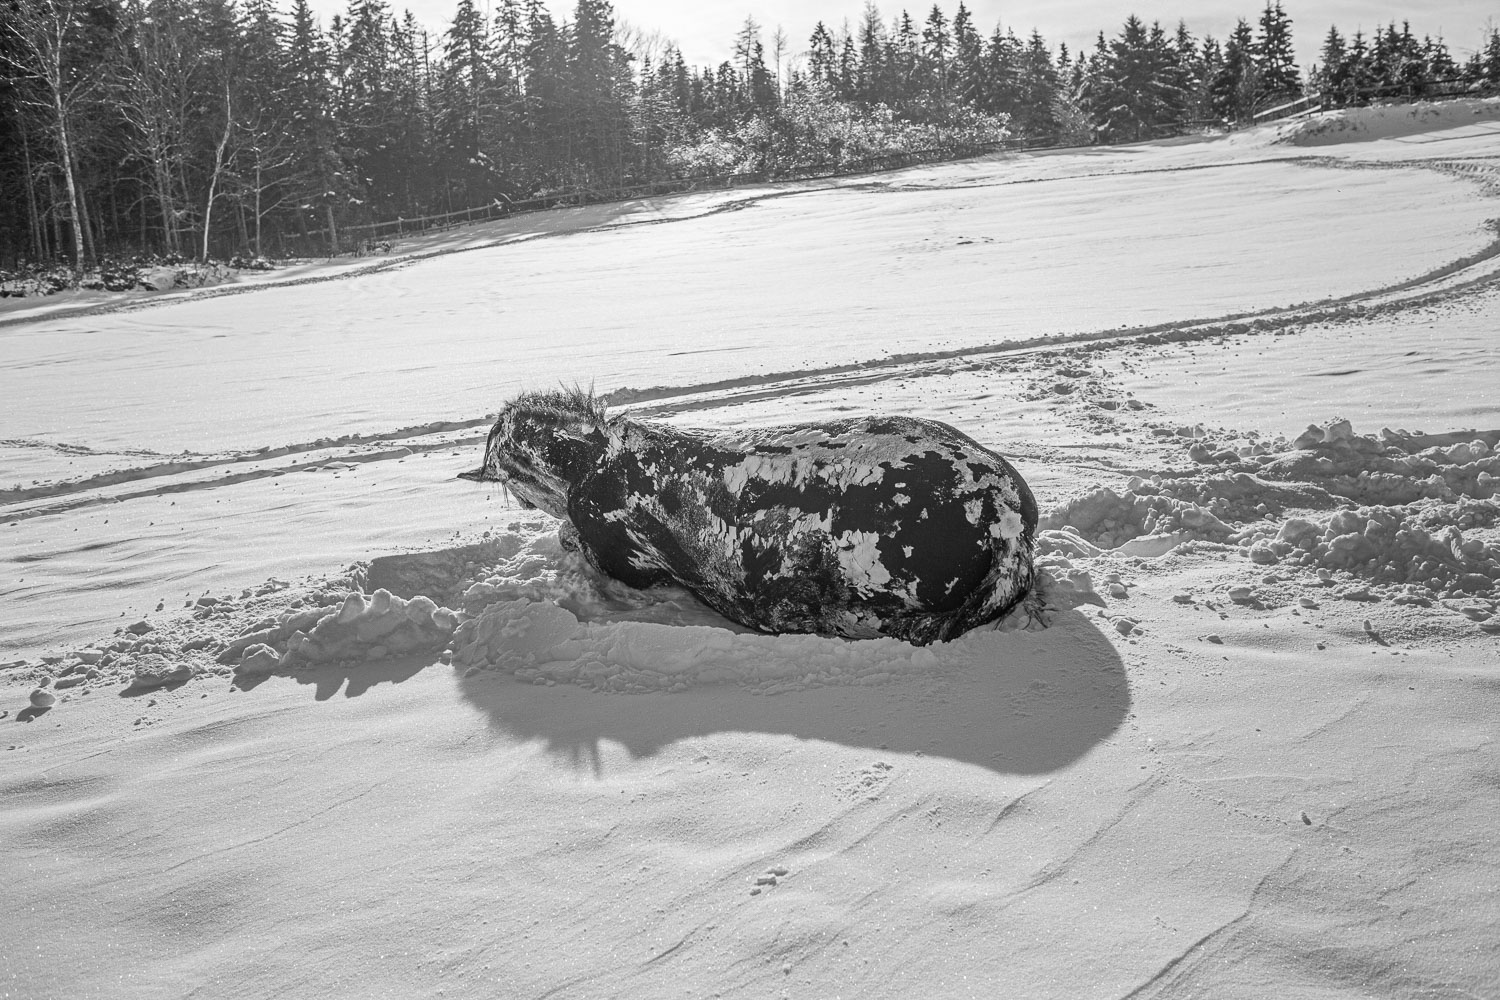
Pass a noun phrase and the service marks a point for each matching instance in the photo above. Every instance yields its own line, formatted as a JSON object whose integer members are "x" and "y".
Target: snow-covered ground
{"x": 1252, "y": 755}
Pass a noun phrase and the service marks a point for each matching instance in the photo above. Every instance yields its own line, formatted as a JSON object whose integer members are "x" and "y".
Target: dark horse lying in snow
{"x": 861, "y": 527}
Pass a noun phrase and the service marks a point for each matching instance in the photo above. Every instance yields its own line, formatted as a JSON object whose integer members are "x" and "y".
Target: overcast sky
{"x": 704, "y": 29}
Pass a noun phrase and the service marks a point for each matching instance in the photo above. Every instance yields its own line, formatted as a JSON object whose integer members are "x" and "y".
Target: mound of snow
{"x": 542, "y": 642}
{"x": 1421, "y": 545}
{"x": 1389, "y": 121}
{"x": 1398, "y": 509}
{"x": 373, "y": 629}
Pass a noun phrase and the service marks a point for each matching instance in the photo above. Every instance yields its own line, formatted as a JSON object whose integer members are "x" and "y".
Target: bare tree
{"x": 267, "y": 152}
{"x": 779, "y": 45}
{"x": 642, "y": 44}
{"x": 221, "y": 162}
{"x": 156, "y": 95}
{"x": 45, "y": 31}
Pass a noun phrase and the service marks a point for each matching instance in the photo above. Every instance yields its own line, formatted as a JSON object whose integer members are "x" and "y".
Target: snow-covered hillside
{"x": 291, "y": 711}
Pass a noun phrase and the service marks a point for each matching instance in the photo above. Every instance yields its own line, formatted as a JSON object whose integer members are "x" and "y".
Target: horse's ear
{"x": 580, "y": 427}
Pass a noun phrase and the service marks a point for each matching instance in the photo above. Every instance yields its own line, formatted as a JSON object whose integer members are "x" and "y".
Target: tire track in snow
{"x": 1466, "y": 275}
{"x": 90, "y": 496}
{"x": 188, "y": 462}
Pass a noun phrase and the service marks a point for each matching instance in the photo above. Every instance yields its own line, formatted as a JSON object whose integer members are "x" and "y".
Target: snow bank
{"x": 1389, "y": 121}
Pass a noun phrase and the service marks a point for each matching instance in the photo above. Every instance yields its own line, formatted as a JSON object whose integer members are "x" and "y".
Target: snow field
{"x": 1251, "y": 754}
{"x": 853, "y": 265}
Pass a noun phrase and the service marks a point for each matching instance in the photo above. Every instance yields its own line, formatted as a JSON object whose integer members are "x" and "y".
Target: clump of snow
{"x": 152, "y": 670}
{"x": 1146, "y": 514}
{"x": 1421, "y": 545}
{"x": 374, "y": 629}
{"x": 259, "y": 659}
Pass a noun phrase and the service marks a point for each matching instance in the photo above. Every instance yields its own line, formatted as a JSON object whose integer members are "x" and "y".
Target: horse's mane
{"x": 560, "y": 405}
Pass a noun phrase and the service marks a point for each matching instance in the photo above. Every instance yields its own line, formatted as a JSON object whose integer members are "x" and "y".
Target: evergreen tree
{"x": 1035, "y": 115}
{"x": 1361, "y": 73}
{"x": 847, "y": 76}
{"x": 1001, "y": 79}
{"x": 1492, "y": 58}
{"x": 1409, "y": 69}
{"x": 1136, "y": 93}
{"x": 872, "y": 46}
{"x": 1440, "y": 64}
{"x": 1275, "y": 58}
{"x": 317, "y": 174}
{"x": 937, "y": 44}
{"x": 822, "y": 64}
{"x": 1234, "y": 88}
{"x": 467, "y": 98}
{"x": 1190, "y": 74}
{"x": 1334, "y": 73}
{"x": 966, "y": 74}
{"x": 905, "y": 62}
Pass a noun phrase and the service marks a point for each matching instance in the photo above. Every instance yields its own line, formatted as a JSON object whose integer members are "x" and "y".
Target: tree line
{"x": 199, "y": 128}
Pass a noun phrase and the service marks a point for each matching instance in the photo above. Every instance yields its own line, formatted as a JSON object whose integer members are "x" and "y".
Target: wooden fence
{"x": 377, "y": 236}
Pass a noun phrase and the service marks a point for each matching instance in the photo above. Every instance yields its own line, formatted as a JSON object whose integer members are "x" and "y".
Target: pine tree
{"x": 1235, "y": 86}
{"x": 1189, "y": 74}
{"x": 1136, "y": 93}
{"x": 1440, "y": 64}
{"x": 1334, "y": 75}
{"x": 1410, "y": 63}
{"x": 872, "y": 46}
{"x": 467, "y": 97}
{"x": 1073, "y": 125}
{"x": 937, "y": 44}
{"x": 847, "y": 76}
{"x": 822, "y": 64}
{"x": 1208, "y": 62}
{"x": 1361, "y": 71}
{"x": 1276, "y": 59}
{"x": 1039, "y": 86}
{"x": 1001, "y": 84}
{"x": 967, "y": 73}
{"x": 905, "y": 63}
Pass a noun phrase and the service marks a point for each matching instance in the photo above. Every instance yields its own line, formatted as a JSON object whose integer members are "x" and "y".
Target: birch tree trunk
{"x": 213, "y": 180}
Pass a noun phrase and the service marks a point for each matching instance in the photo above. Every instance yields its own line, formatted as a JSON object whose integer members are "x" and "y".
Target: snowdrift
{"x": 1393, "y": 121}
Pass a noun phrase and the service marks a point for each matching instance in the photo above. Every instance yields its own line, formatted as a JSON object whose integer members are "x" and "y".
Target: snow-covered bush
{"x": 812, "y": 128}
